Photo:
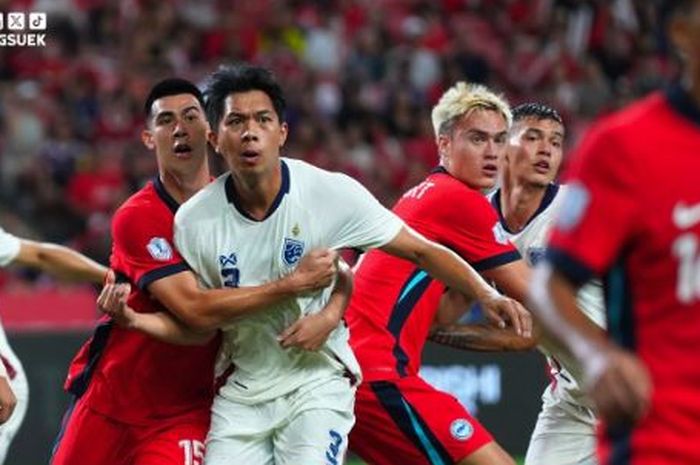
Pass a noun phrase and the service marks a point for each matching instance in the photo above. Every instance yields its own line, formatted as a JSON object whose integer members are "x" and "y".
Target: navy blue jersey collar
{"x": 548, "y": 198}
{"x": 683, "y": 102}
{"x": 440, "y": 169}
{"x": 164, "y": 196}
{"x": 233, "y": 198}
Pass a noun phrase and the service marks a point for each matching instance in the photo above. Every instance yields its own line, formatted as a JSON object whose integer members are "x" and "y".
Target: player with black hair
{"x": 527, "y": 202}
{"x": 138, "y": 400}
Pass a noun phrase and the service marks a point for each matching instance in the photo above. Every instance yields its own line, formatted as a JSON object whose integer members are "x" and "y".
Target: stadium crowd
{"x": 361, "y": 77}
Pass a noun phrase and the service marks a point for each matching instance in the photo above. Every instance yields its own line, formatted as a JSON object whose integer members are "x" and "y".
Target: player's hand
{"x": 112, "y": 301}
{"x": 502, "y": 311}
{"x": 309, "y": 332}
{"x": 619, "y": 385}
{"x": 315, "y": 271}
{"x": 8, "y": 401}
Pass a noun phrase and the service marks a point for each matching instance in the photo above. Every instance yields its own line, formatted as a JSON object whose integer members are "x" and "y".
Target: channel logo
{"x": 18, "y": 29}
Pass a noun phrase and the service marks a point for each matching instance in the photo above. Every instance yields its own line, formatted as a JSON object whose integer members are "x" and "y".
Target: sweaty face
{"x": 177, "y": 130}
{"x": 473, "y": 150}
{"x": 535, "y": 150}
{"x": 250, "y": 133}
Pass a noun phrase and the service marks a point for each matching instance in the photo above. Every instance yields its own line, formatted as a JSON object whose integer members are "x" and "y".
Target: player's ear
{"x": 284, "y": 130}
{"x": 147, "y": 139}
{"x": 213, "y": 141}
{"x": 443, "y": 145}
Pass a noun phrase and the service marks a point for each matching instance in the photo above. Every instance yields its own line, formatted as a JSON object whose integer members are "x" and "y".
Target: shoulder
{"x": 203, "y": 203}
{"x": 320, "y": 184}
{"x": 614, "y": 140}
{"x": 142, "y": 210}
{"x": 307, "y": 175}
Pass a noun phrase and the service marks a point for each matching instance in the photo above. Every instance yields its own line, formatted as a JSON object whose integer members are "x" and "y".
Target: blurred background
{"x": 361, "y": 77}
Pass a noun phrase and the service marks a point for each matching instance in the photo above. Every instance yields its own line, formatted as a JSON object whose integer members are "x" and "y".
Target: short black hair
{"x": 171, "y": 86}
{"x": 536, "y": 110}
{"x": 241, "y": 77}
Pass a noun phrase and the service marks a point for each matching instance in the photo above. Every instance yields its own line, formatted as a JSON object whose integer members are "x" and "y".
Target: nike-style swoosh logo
{"x": 685, "y": 216}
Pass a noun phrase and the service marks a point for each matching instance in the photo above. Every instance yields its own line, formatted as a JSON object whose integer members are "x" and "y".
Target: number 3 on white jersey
{"x": 193, "y": 451}
{"x": 686, "y": 249}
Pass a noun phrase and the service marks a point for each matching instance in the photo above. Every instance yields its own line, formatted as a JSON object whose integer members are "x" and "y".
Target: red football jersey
{"x": 632, "y": 216}
{"x": 394, "y": 302}
{"x": 125, "y": 374}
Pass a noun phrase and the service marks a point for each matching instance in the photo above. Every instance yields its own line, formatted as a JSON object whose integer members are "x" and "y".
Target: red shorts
{"x": 410, "y": 422}
{"x": 90, "y": 438}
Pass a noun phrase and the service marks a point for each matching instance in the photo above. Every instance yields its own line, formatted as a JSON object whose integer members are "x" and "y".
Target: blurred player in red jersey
{"x": 53, "y": 259}
{"x": 138, "y": 400}
{"x": 632, "y": 216}
{"x": 401, "y": 418}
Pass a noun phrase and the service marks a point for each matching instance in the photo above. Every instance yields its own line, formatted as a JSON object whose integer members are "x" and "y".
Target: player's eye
{"x": 163, "y": 120}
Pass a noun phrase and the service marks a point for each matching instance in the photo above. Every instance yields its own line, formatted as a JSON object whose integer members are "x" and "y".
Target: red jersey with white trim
{"x": 125, "y": 374}
{"x": 632, "y": 216}
{"x": 393, "y": 302}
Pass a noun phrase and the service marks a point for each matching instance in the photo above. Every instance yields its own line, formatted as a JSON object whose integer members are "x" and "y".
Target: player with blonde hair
{"x": 396, "y": 305}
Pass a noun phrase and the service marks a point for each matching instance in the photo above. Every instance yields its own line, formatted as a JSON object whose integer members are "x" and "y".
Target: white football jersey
{"x": 227, "y": 248}
{"x": 9, "y": 247}
{"x": 531, "y": 242}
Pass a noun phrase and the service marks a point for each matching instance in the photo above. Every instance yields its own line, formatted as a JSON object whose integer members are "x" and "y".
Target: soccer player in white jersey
{"x": 526, "y": 203}
{"x": 251, "y": 225}
{"x": 54, "y": 259}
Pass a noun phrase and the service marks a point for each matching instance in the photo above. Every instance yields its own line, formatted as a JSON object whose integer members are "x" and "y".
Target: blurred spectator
{"x": 360, "y": 76}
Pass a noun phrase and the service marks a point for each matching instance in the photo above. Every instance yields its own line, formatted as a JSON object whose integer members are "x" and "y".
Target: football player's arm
{"x": 311, "y": 331}
{"x": 482, "y": 337}
{"x": 446, "y": 266}
{"x": 204, "y": 310}
{"x": 159, "y": 325}
{"x": 618, "y": 382}
{"x": 511, "y": 279}
{"x": 59, "y": 261}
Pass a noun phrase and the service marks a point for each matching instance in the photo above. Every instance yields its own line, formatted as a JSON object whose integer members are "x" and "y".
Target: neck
{"x": 257, "y": 192}
{"x": 182, "y": 186}
{"x": 519, "y": 202}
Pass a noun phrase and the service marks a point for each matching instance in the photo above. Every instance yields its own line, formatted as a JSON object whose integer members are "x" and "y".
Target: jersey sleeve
{"x": 143, "y": 247}
{"x": 354, "y": 217}
{"x": 468, "y": 225}
{"x": 597, "y": 216}
{"x": 9, "y": 247}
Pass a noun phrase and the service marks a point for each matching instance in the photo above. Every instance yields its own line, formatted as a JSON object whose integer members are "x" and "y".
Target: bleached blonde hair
{"x": 462, "y": 99}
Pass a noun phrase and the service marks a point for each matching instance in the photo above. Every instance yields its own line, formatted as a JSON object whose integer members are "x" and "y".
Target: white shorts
{"x": 21, "y": 390}
{"x": 561, "y": 437}
{"x": 308, "y": 426}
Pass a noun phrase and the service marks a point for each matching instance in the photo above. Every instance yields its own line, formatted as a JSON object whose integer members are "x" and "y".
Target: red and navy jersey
{"x": 125, "y": 374}
{"x": 632, "y": 216}
{"x": 394, "y": 302}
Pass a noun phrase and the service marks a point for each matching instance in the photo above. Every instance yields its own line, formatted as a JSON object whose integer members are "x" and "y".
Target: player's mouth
{"x": 182, "y": 150}
{"x": 490, "y": 170}
{"x": 250, "y": 156}
{"x": 542, "y": 167}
